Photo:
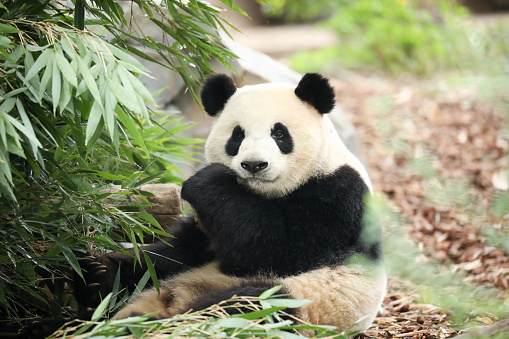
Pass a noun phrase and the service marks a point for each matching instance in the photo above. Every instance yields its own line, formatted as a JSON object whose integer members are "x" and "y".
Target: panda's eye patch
{"x": 233, "y": 144}
{"x": 279, "y": 134}
{"x": 282, "y": 137}
{"x": 239, "y": 135}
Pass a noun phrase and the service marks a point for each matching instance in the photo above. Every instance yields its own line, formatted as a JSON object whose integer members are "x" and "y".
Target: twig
{"x": 410, "y": 334}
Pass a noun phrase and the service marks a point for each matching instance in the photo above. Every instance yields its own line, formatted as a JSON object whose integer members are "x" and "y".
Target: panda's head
{"x": 274, "y": 137}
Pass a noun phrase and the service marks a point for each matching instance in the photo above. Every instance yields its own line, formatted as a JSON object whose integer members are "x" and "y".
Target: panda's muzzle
{"x": 254, "y": 166}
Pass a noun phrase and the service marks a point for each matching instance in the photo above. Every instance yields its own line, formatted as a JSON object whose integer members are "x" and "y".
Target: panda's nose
{"x": 254, "y": 166}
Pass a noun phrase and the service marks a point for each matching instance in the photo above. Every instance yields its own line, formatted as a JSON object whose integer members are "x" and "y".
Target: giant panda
{"x": 281, "y": 201}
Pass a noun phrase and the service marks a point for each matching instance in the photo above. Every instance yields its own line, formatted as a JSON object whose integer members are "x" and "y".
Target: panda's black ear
{"x": 216, "y": 91}
{"x": 316, "y": 90}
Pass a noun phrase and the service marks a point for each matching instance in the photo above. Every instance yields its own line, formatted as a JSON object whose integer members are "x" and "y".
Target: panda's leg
{"x": 342, "y": 295}
{"x": 178, "y": 293}
{"x": 249, "y": 288}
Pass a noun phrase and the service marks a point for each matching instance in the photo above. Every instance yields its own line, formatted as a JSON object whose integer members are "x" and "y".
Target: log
{"x": 166, "y": 199}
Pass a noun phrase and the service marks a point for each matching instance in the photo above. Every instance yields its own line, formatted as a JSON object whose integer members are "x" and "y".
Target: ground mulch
{"x": 459, "y": 134}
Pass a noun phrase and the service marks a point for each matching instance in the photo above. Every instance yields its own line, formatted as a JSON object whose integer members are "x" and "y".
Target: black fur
{"x": 40, "y": 328}
{"x": 316, "y": 90}
{"x": 44, "y": 327}
{"x": 216, "y": 91}
{"x": 282, "y": 137}
{"x": 317, "y": 225}
{"x": 253, "y": 289}
{"x": 233, "y": 144}
{"x": 189, "y": 248}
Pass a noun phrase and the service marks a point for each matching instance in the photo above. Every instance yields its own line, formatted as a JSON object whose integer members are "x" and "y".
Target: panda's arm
{"x": 188, "y": 248}
{"x": 239, "y": 222}
{"x": 214, "y": 193}
{"x": 320, "y": 223}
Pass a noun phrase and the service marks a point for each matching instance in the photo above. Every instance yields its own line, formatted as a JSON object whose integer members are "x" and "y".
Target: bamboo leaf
{"x": 7, "y": 105}
{"x": 128, "y": 123}
{"x": 290, "y": 303}
{"x": 8, "y": 29}
{"x": 17, "y": 53}
{"x": 137, "y": 85}
{"x": 152, "y": 271}
{"x": 65, "y": 68}
{"x": 89, "y": 81}
{"x": 140, "y": 286}
{"x": 233, "y": 323}
{"x": 82, "y": 87}
{"x": 115, "y": 135}
{"x": 109, "y": 111}
{"x": 28, "y": 125}
{"x": 33, "y": 48}
{"x": 101, "y": 309}
{"x": 48, "y": 72}
{"x": 94, "y": 120}
{"x": 124, "y": 96}
{"x": 115, "y": 290}
{"x": 144, "y": 110}
{"x": 65, "y": 96}
{"x": 67, "y": 47}
{"x": 23, "y": 129}
{"x": 136, "y": 248}
{"x": 41, "y": 62}
{"x": 56, "y": 85}
{"x": 3, "y": 134}
{"x": 10, "y": 130}
{"x": 173, "y": 12}
{"x": 125, "y": 57}
{"x": 270, "y": 292}
{"x": 5, "y": 42}
{"x": 6, "y": 177}
{"x": 102, "y": 174}
{"x": 66, "y": 251}
{"x": 261, "y": 313}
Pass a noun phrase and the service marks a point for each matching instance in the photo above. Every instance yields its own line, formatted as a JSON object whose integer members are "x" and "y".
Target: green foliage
{"x": 391, "y": 36}
{"x": 74, "y": 122}
{"x": 264, "y": 320}
{"x": 299, "y": 10}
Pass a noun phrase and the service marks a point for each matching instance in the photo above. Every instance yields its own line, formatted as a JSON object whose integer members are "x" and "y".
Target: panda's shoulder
{"x": 345, "y": 175}
{"x": 344, "y": 180}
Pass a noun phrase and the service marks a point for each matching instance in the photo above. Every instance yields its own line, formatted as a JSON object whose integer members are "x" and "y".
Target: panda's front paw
{"x": 40, "y": 328}
{"x": 215, "y": 171}
{"x": 207, "y": 182}
{"x": 98, "y": 275}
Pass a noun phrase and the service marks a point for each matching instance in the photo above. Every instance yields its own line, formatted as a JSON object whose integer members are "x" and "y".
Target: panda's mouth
{"x": 259, "y": 179}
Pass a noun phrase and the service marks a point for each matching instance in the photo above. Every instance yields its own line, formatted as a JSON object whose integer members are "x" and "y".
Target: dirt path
{"x": 437, "y": 155}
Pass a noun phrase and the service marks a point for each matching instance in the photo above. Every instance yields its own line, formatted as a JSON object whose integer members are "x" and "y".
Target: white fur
{"x": 347, "y": 297}
{"x": 317, "y": 150}
{"x": 343, "y": 294}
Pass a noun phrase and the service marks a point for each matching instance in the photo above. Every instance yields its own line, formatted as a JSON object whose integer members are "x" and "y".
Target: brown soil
{"x": 459, "y": 136}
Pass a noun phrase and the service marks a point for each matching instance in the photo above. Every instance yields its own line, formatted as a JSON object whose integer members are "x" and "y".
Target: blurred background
{"x": 425, "y": 85}
{"x": 422, "y": 99}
